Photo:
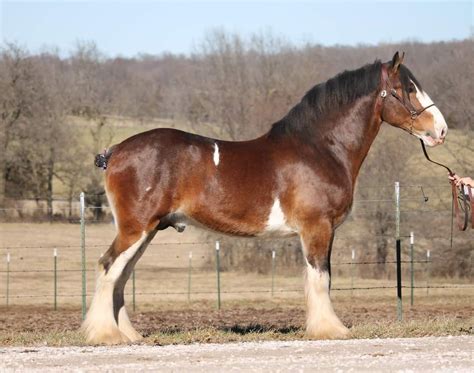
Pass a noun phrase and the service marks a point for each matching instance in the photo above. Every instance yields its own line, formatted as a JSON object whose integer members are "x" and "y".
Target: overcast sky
{"x": 127, "y": 28}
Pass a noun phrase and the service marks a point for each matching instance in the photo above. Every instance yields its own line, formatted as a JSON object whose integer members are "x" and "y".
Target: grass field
{"x": 368, "y": 316}
{"x": 163, "y": 272}
{"x": 163, "y": 313}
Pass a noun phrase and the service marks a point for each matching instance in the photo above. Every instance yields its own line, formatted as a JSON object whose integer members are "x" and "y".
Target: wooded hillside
{"x": 57, "y": 112}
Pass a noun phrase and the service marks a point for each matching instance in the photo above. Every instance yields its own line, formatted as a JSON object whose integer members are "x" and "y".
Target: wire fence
{"x": 179, "y": 279}
{"x": 63, "y": 273}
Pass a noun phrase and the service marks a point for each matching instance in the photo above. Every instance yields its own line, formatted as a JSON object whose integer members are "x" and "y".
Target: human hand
{"x": 454, "y": 177}
{"x": 461, "y": 180}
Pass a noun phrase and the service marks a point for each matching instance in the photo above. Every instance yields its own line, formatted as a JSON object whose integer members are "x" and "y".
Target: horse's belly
{"x": 233, "y": 226}
{"x": 257, "y": 223}
{"x": 276, "y": 232}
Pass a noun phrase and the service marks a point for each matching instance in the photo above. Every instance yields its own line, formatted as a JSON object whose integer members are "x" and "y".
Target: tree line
{"x": 232, "y": 85}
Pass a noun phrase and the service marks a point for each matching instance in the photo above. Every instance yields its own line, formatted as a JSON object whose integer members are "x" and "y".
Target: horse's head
{"x": 407, "y": 106}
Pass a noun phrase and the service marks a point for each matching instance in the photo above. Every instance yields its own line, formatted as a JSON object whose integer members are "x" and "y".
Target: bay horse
{"x": 296, "y": 179}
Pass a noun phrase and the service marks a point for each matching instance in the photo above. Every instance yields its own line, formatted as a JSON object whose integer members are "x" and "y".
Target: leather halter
{"x": 407, "y": 105}
{"x": 459, "y": 195}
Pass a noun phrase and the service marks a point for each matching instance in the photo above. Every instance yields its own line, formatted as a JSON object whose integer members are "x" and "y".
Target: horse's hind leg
{"x": 120, "y": 312}
{"x": 321, "y": 320}
{"x": 102, "y": 322}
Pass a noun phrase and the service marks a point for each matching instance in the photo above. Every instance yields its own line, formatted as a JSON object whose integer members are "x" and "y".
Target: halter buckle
{"x": 383, "y": 94}
{"x": 413, "y": 114}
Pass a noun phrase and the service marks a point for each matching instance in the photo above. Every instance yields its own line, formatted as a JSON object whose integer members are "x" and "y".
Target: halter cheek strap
{"x": 387, "y": 86}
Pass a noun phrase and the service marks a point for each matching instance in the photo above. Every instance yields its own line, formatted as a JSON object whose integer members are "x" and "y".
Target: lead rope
{"x": 462, "y": 223}
{"x": 472, "y": 206}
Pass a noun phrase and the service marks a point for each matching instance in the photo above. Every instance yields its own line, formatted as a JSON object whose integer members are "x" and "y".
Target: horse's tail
{"x": 102, "y": 158}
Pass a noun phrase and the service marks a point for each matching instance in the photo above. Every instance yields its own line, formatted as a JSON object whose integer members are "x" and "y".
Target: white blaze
{"x": 425, "y": 100}
{"x": 216, "y": 154}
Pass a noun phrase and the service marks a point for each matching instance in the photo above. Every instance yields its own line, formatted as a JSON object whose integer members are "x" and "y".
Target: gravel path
{"x": 401, "y": 354}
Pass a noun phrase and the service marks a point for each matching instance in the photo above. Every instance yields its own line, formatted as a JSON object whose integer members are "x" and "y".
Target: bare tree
{"x": 232, "y": 87}
{"x": 225, "y": 78}
{"x": 92, "y": 98}
{"x": 17, "y": 93}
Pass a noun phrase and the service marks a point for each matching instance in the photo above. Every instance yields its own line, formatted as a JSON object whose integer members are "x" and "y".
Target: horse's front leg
{"x": 321, "y": 321}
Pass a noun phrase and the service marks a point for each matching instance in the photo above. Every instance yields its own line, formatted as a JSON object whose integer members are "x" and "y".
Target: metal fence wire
{"x": 48, "y": 274}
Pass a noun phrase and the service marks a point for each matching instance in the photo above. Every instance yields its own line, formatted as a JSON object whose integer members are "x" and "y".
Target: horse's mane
{"x": 331, "y": 96}
{"x": 405, "y": 76}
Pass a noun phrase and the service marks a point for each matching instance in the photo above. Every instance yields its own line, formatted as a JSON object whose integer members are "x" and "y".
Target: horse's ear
{"x": 397, "y": 61}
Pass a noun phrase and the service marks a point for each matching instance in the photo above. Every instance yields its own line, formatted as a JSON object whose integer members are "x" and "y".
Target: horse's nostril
{"x": 443, "y": 133}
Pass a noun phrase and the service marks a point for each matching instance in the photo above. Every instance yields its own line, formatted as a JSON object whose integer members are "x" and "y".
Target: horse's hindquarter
{"x": 225, "y": 186}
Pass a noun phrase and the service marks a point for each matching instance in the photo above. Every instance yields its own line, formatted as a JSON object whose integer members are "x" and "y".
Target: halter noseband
{"x": 387, "y": 86}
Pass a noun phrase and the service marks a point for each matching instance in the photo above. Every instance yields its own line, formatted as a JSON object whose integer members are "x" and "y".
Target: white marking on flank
{"x": 148, "y": 189}
{"x": 216, "y": 154}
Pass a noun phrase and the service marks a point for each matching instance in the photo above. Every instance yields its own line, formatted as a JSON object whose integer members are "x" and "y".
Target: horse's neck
{"x": 352, "y": 134}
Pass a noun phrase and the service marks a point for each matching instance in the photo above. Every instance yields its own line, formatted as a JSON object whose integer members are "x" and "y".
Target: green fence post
{"x": 470, "y": 265}
{"x": 133, "y": 290}
{"x": 273, "y": 271}
{"x": 412, "y": 270}
{"x": 83, "y": 254}
{"x": 428, "y": 254}
{"x": 353, "y": 255}
{"x": 218, "y": 276}
{"x": 8, "y": 280}
{"x": 190, "y": 266}
{"x": 55, "y": 255}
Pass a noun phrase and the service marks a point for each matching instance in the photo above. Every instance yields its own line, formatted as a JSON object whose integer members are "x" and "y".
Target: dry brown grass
{"x": 368, "y": 315}
{"x": 249, "y": 312}
{"x": 162, "y": 273}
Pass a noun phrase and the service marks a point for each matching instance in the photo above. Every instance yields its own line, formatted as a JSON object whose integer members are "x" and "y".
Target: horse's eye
{"x": 411, "y": 88}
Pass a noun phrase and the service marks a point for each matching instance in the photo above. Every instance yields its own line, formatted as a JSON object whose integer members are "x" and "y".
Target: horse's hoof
{"x": 325, "y": 331}
{"x": 133, "y": 336}
{"x": 111, "y": 338}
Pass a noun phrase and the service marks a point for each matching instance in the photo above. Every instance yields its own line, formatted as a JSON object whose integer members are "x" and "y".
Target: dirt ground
{"x": 241, "y": 318}
{"x": 163, "y": 315}
{"x": 432, "y": 354}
